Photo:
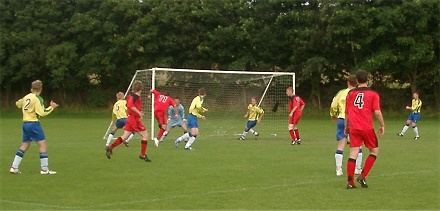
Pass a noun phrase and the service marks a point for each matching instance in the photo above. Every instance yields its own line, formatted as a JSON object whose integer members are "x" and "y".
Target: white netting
{"x": 228, "y": 95}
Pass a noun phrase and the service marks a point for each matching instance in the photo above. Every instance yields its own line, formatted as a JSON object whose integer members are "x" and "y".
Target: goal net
{"x": 228, "y": 95}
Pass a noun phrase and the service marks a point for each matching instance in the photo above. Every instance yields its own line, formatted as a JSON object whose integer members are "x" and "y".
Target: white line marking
{"x": 202, "y": 194}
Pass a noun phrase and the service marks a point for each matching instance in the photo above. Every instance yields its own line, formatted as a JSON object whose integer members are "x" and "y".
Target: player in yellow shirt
{"x": 119, "y": 117}
{"x": 337, "y": 112}
{"x": 254, "y": 115}
{"x": 194, "y": 112}
{"x": 414, "y": 116}
{"x": 32, "y": 108}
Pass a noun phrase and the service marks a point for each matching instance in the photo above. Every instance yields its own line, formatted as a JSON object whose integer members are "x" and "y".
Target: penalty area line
{"x": 244, "y": 189}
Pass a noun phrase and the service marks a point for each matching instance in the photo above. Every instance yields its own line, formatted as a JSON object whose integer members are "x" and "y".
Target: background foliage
{"x": 85, "y": 51}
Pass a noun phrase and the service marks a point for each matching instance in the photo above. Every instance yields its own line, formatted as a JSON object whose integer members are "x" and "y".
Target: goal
{"x": 228, "y": 95}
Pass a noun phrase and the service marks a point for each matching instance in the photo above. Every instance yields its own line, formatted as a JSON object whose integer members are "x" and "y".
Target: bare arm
{"x": 379, "y": 117}
{"x": 346, "y": 129}
{"x": 141, "y": 114}
{"x": 293, "y": 110}
{"x": 247, "y": 113}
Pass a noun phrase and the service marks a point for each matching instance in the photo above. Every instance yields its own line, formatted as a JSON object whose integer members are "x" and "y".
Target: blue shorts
{"x": 340, "y": 127}
{"x": 120, "y": 123}
{"x": 414, "y": 117}
{"x": 192, "y": 121}
{"x": 32, "y": 131}
{"x": 175, "y": 122}
{"x": 251, "y": 123}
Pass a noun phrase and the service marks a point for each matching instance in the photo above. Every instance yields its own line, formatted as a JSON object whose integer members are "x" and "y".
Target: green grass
{"x": 222, "y": 173}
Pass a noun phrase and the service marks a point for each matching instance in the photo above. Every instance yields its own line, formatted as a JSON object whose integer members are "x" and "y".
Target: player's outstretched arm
{"x": 246, "y": 114}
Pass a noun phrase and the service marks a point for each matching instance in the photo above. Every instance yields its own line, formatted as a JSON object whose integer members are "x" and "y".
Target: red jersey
{"x": 360, "y": 105}
{"x": 296, "y": 101}
{"x": 162, "y": 102}
{"x": 133, "y": 100}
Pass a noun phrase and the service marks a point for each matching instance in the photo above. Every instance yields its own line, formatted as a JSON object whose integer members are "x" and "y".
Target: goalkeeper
{"x": 180, "y": 121}
{"x": 254, "y": 114}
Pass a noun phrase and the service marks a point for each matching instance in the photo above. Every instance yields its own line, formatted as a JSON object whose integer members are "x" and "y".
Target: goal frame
{"x": 153, "y": 85}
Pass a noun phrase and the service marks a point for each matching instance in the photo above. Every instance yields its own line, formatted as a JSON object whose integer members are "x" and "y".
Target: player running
{"x": 255, "y": 115}
{"x": 194, "y": 112}
{"x": 134, "y": 123}
{"x": 119, "y": 117}
{"x": 161, "y": 104}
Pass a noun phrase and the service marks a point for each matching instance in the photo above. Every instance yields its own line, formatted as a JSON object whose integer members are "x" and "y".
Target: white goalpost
{"x": 228, "y": 95}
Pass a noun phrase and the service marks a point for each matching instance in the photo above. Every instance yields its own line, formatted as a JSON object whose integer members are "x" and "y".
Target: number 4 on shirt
{"x": 359, "y": 100}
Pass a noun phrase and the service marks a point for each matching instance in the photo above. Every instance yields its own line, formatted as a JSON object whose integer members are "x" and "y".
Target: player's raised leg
{"x": 185, "y": 136}
{"x": 117, "y": 142}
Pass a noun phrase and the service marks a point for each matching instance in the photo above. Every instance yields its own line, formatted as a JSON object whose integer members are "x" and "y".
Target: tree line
{"x": 85, "y": 51}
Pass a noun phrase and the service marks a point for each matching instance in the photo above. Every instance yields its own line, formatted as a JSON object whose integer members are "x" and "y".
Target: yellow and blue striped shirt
{"x": 416, "y": 105}
{"x": 337, "y": 108}
{"x": 196, "y": 107}
{"x": 32, "y": 107}
{"x": 254, "y": 112}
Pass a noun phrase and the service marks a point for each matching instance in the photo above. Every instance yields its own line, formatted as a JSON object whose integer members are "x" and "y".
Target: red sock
{"x": 160, "y": 133}
{"x": 292, "y": 134}
{"x": 116, "y": 143}
{"x": 351, "y": 165}
{"x": 369, "y": 162}
{"x": 144, "y": 144}
{"x": 296, "y": 131}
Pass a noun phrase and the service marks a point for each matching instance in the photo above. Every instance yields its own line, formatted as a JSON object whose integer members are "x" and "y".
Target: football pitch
{"x": 222, "y": 173}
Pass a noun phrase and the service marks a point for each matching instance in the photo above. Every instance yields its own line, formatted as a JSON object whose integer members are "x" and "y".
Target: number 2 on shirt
{"x": 359, "y": 100}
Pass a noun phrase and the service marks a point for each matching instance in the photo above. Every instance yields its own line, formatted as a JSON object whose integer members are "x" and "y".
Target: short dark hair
{"x": 352, "y": 80}
{"x": 361, "y": 76}
{"x": 202, "y": 91}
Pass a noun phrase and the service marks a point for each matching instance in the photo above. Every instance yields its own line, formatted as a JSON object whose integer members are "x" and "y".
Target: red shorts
{"x": 295, "y": 118}
{"x": 134, "y": 124}
{"x": 161, "y": 117}
{"x": 366, "y": 137}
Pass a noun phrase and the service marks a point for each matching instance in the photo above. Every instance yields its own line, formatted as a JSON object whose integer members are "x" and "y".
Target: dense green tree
{"x": 87, "y": 50}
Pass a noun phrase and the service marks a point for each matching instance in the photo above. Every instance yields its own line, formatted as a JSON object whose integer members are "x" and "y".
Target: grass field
{"x": 222, "y": 173}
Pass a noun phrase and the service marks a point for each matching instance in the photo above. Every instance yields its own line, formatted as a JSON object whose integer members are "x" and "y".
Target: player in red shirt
{"x": 296, "y": 106}
{"x": 161, "y": 104}
{"x": 361, "y": 103}
{"x": 134, "y": 123}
